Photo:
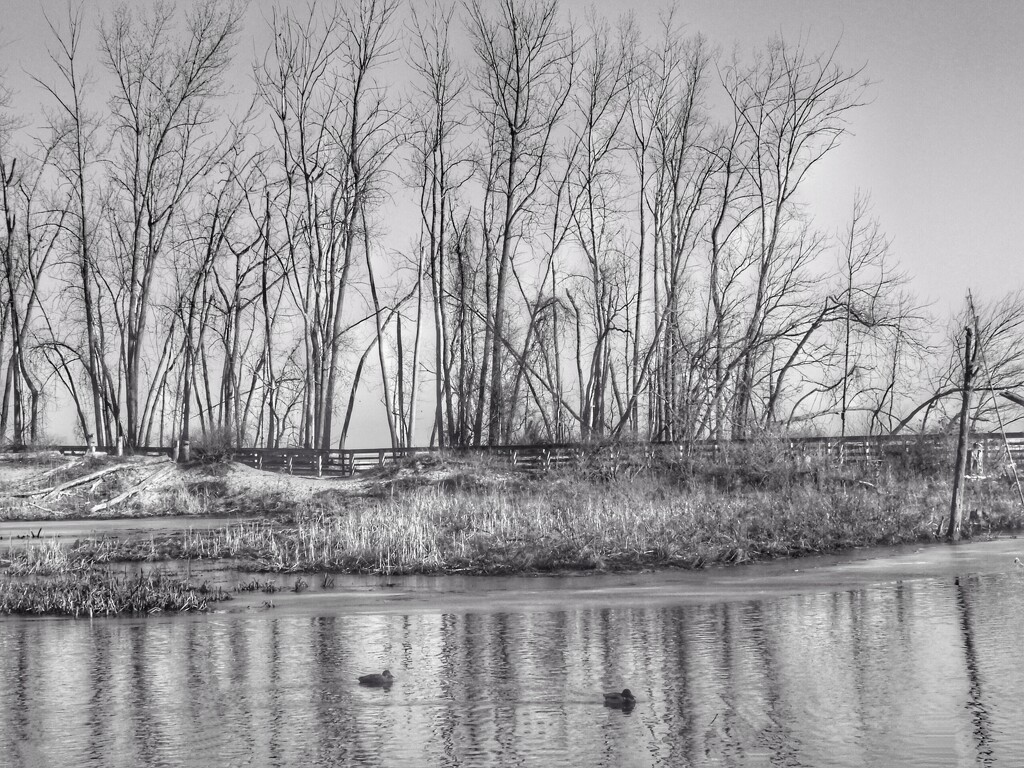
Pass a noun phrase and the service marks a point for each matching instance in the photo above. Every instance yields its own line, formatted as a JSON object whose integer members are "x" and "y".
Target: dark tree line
{"x": 504, "y": 225}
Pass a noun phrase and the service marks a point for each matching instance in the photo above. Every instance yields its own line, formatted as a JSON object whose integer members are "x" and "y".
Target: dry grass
{"x": 560, "y": 526}
{"x": 449, "y": 517}
{"x": 100, "y": 593}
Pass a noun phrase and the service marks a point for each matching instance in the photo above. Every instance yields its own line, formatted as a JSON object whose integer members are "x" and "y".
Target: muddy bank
{"x": 439, "y": 594}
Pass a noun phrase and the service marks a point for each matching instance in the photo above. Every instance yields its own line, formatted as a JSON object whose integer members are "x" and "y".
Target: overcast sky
{"x": 939, "y": 148}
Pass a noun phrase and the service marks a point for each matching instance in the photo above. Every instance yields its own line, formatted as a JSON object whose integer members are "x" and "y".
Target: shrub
{"x": 215, "y": 445}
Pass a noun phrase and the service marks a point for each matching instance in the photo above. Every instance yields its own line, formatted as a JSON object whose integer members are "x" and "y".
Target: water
{"x": 913, "y": 657}
{"x": 16, "y": 532}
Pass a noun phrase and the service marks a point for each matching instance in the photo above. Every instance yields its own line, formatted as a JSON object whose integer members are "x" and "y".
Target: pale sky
{"x": 939, "y": 148}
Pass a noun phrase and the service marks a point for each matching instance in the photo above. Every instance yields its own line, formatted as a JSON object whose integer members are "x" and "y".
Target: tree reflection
{"x": 982, "y": 726}
{"x": 839, "y": 678}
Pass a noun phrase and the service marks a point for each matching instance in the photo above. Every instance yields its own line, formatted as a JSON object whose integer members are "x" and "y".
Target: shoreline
{"x": 652, "y": 588}
{"x": 472, "y": 520}
{"x": 861, "y": 568}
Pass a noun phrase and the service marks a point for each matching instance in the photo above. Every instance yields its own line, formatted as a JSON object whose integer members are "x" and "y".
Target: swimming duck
{"x": 383, "y": 680}
{"x": 624, "y": 700}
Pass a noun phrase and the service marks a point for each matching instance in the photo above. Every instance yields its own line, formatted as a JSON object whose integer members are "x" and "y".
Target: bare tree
{"x": 32, "y": 223}
{"x": 525, "y": 64}
{"x": 610, "y": 237}
{"x": 597, "y": 203}
{"x": 162, "y": 114}
{"x": 837, "y": 355}
{"x": 76, "y": 160}
{"x": 880, "y": 320}
{"x": 731, "y": 204}
{"x": 794, "y": 105}
{"x": 669, "y": 125}
{"x": 997, "y": 356}
{"x": 334, "y": 135}
{"x": 440, "y": 115}
{"x": 219, "y": 276}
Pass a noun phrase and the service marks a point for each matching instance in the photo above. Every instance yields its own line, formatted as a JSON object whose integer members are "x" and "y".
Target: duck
{"x": 624, "y": 700}
{"x": 383, "y": 680}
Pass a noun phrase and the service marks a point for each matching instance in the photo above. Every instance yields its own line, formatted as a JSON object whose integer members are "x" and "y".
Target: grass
{"x": 562, "y": 526}
{"x": 621, "y": 526}
{"x": 99, "y": 593}
{"x": 48, "y": 557}
{"x": 605, "y": 515}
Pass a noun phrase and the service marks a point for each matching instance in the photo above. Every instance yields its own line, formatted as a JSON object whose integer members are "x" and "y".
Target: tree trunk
{"x": 956, "y": 503}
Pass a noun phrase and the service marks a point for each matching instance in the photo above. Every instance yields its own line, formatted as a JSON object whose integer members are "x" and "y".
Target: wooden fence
{"x": 988, "y": 450}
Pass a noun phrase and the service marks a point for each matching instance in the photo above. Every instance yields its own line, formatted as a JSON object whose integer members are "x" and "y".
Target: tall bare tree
{"x": 31, "y": 224}
{"x": 597, "y": 207}
{"x": 335, "y": 133}
{"x": 162, "y": 118}
{"x": 795, "y": 107}
{"x": 669, "y": 122}
{"x": 525, "y": 62}
{"x": 440, "y": 116}
{"x": 77, "y": 161}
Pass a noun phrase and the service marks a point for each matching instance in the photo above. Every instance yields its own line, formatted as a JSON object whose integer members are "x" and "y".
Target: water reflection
{"x": 925, "y": 672}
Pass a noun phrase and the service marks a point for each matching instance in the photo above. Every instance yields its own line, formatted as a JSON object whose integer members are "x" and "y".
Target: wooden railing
{"x": 879, "y": 449}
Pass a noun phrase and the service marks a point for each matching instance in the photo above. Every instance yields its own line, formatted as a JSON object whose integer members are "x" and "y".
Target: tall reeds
{"x": 664, "y": 511}
{"x": 100, "y": 593}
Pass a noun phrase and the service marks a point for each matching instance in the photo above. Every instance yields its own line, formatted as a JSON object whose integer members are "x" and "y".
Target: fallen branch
{"x": 82, "y": 480}
{"x": 132, "y": 491}
{"x": 40, "y": 477}
{"x": 61, "y": 468}
{"x": 39, "y": 506}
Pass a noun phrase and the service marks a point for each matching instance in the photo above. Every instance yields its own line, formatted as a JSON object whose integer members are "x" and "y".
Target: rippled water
{"x": 926, "y": 670}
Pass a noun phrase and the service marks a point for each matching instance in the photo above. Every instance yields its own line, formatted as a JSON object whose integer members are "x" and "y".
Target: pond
{"x": 898, "y": 657}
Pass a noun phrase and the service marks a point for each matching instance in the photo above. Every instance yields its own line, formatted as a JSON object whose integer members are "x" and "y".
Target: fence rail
{"x": 986, "y": 450}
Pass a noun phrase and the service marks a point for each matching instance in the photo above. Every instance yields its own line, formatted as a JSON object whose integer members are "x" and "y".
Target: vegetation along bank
{"x": 441, "y": 515}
